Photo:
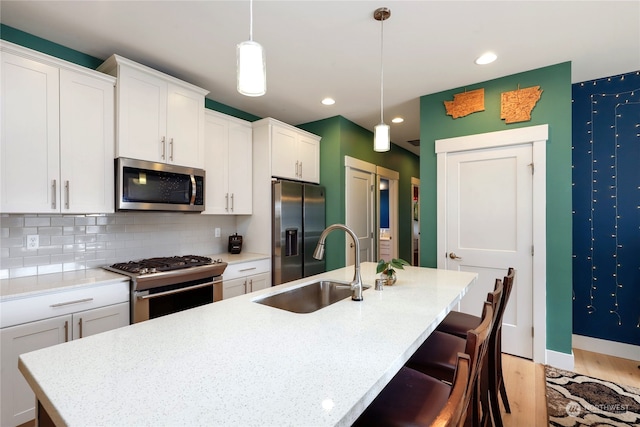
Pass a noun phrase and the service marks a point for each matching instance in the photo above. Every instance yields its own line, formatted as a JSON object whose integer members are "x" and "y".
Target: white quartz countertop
{"x": 239, "y": 363}
{"x": 241, "y": 257}
{"x": 35, "y": 285}
{"x": 22, "y": 287}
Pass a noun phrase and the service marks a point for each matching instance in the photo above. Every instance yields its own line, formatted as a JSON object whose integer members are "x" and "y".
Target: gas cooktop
{"x": 175, "y": 265}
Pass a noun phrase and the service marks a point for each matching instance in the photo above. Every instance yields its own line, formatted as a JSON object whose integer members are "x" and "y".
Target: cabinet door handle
{"x": 78, "y": 301}
{"x": 231, "y": 202}
{"x": 66, "y": 330}
{"x": 171, "y": 150}
{"x": 297, "y": 168}
{"x": 164, "y": 147}
{"x": 226, "y": 202}
{"x": 66, "y": 194}
{"x": 80, "y": 326}
{"x": 54, "y": 196}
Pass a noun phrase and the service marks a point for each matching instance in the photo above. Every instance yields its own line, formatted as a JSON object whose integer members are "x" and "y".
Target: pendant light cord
{"x": 381, "y": 70}
{"x": 251, "y": 20}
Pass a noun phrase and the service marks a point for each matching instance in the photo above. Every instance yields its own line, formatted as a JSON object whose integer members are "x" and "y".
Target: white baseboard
{"x": 559, "y": 360}
{"x": 611, "y": 348}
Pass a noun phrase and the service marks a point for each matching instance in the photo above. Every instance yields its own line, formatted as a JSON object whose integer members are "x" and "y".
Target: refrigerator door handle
{"x": 291, "y": 244}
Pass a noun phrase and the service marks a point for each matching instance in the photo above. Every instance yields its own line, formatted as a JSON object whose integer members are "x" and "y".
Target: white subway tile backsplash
{"x": 62, "y": 221}
{"x": 50, "y": 268}
{"x": 9, "y": 221}
{"x": 77, "y": 242}
{"x": 37, "y": 221}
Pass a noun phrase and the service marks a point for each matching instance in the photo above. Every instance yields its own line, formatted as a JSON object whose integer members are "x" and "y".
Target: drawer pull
{"x": 247, "y": 269}
{"x": 61, "y": 304}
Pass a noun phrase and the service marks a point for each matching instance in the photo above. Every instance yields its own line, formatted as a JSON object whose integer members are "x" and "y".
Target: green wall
{"x": 340, "y": 138}
{"x": 21, "y": 38}
{"x": 554, "y": 109}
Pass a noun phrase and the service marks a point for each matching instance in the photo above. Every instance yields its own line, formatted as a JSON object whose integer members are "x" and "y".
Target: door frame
{"x": 415, "y": 246}
{"x": 537, "y": 136}
{"x": 394, "y": 178}
{"x": 361, "y": 165}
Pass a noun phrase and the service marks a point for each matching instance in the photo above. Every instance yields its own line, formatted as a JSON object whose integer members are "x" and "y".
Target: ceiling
{"x": 316, "y": 49}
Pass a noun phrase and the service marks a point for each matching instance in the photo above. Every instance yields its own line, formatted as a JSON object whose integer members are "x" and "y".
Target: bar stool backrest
{"x": 454, "y": 412}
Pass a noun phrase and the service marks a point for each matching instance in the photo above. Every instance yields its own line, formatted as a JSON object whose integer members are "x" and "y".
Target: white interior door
{"x": 490, "y": 228}
{"x": 359, "y": 209}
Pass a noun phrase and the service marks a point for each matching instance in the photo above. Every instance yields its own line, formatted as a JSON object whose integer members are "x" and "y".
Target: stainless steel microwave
{"x": 142, "y": 185}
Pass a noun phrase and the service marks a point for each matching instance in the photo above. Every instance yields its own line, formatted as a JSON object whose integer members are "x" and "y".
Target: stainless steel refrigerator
{"x": 298, "y": 220}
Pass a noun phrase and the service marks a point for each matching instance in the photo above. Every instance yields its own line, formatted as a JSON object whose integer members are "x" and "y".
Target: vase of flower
{"x": 387, "y": 271}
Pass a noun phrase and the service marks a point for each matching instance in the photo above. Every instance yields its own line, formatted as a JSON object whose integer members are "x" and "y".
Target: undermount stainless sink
{"x": 309, "y": 298}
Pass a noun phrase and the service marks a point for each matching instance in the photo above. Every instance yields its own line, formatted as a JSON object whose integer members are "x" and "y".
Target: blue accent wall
{"x": 384, "y": 208}
{"x": 606, "y": 203}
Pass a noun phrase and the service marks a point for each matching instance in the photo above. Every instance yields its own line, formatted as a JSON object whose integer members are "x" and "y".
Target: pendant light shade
{"x": 252, "y": 72}
{"x": 251, "y": 68}
{"x": 381, "y": 137}
{"x": 381, "y": 132}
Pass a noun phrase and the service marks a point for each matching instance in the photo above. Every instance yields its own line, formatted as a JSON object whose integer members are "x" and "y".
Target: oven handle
{"x": 177, "y": 291}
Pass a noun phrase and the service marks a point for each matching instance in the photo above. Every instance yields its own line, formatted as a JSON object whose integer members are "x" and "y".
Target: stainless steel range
{"x": 161, "y": 286}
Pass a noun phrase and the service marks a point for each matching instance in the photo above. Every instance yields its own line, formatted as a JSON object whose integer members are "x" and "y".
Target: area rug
{"x": 578, "y": 400}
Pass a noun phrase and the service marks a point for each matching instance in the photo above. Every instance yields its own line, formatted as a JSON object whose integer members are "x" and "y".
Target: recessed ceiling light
{"x": 486, "y": 58}
{"x": 328, "y": 101}
{"x": 397, "y": 120}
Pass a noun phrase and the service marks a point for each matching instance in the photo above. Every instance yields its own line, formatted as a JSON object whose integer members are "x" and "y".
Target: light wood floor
{"x": 526, "y": 385}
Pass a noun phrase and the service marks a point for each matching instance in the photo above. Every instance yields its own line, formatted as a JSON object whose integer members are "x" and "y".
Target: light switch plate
{"x": 216, "y": 232}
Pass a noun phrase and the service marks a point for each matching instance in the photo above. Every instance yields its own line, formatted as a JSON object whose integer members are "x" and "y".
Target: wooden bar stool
{"x": 414, "y": 399}
{"x": 457, "y": 323}
{"x": 435, "y": 357}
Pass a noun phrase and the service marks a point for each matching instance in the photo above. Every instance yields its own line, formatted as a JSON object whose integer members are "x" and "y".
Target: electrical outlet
{"x": 33, "y": 241}
{"x": 216, "y": 232}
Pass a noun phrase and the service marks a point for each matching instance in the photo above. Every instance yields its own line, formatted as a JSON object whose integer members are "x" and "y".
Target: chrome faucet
{"x": 356, "y": 284}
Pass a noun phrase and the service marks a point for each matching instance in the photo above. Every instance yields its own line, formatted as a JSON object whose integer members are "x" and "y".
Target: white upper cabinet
{"x": 57, "y": 135}
{"x": 86, "y": 143}
{"x": 159, "y": 118}
{"x": 295, "y": 153}
{"x": 228, "y": 164}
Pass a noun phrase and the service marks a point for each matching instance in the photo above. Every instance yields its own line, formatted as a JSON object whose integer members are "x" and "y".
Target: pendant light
{"x": 381, "y": 132}
{"x": 252, "y": 72}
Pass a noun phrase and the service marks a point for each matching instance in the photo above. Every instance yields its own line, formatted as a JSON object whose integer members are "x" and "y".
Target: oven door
{"x": 163, "y": 300}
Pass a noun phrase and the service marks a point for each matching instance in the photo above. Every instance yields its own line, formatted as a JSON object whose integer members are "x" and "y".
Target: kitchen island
{"x": 239, "y": 363}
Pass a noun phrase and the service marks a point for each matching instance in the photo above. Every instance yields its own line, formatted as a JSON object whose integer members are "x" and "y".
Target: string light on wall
{"x": 381, "y": 132}
{"x": 612, "y": 115}
{"x": 251, "y": 68}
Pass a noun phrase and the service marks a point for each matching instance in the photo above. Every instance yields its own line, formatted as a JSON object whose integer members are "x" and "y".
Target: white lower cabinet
{"x": 385, "y": 249}
{"x": 17, "y": 401}
{"x": 245, "y": 277}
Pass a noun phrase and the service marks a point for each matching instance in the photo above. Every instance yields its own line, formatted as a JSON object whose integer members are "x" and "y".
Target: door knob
{"x": 452, "y": 255}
